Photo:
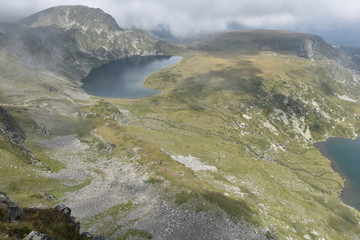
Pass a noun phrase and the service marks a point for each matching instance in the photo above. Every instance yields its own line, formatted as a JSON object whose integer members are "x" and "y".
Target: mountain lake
{"x": 344, "y": 154}
{"x": 124, "y": 78}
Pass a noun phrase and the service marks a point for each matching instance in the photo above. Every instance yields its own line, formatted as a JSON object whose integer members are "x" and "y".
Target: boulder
{"x": 87, "y": 235}
{"x": 37, "y": 236}
{"x": 64, "y": 209}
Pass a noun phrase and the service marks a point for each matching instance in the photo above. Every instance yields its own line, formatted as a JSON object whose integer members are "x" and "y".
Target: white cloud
{"x": 185, "y": 18}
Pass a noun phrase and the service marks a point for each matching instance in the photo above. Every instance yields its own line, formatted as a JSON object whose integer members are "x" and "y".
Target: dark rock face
{"x": 9, "y": 127}
{"x": 15, "y": 211}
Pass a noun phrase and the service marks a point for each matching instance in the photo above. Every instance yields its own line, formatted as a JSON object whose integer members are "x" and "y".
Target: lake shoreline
{"x": 346, "y": 189}
{"x": 124, "y": 78}
{"x": 322, "y": 149}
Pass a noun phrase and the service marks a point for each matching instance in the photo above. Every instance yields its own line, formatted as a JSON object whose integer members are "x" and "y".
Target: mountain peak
{"x": 73, "y": 16}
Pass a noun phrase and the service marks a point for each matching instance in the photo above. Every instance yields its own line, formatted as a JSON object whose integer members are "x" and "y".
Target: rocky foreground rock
{"x": 15, "y": 217}
{"x": 13, "y": 209}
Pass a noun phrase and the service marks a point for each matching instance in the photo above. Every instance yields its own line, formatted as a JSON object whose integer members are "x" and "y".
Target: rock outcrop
{"x": 14, "y": 211}
{"x": 34, "y": 235}
{"x": 47, "y": 223}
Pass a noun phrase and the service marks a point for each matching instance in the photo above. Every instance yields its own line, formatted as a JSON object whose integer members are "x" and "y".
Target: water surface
{"x": 344, "y": 154}
{"x": 124, "y": 78}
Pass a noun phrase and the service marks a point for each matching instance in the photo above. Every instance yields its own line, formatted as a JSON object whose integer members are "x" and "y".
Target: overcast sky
{"x": 338, "y": 21}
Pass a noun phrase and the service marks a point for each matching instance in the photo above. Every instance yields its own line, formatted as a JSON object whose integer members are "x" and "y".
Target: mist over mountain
{"x": 73, "y": 39}
{"x": 336, "y": 21}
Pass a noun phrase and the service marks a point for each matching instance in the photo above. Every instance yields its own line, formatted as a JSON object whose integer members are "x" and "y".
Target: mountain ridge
{"x": 300, "y": 44}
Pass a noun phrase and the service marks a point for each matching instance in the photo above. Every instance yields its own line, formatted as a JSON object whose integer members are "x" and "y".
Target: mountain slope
{"x": 299, "y": 44}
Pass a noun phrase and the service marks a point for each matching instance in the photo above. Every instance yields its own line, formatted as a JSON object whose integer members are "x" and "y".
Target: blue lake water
{"x": 124, "y": 78}
{"x": 345, "y": 158}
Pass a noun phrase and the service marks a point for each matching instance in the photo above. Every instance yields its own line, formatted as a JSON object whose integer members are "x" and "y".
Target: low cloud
{"x": 187, "y": 18}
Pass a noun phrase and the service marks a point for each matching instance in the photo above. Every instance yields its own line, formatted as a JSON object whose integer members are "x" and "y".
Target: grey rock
{"x": 43, "y": 131}
{"x": 64, "y": 209}
{"x": 47, "y": 196}
{"x": 51, "y": 89}
{"x": 87, "y": 235}
{"x": 37, "y": 236}
{"x": 108, "y": 148}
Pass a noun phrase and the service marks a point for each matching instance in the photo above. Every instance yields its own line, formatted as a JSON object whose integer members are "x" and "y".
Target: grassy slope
{"x": 205, "y": 111}
{"x": 220, "y": 108}
{"x": 26, "y": 95}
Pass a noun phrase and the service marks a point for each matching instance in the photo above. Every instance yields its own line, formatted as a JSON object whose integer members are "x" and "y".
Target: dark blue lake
{"x": 345, "y": 158}
{"x": 124, "y": 78}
